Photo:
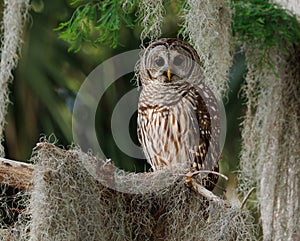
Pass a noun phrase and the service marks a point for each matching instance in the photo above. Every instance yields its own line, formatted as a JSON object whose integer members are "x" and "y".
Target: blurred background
{"x": 48, "y": 77}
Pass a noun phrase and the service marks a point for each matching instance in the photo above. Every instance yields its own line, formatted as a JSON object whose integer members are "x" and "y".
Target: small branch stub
{"x": 191, "y": 180}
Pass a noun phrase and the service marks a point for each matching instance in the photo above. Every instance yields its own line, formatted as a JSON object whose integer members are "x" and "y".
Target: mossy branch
{"x": 67, "y": 200}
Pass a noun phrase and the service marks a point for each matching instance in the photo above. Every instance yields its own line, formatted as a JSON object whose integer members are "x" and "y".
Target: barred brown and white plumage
{"x": 178, "y": 120}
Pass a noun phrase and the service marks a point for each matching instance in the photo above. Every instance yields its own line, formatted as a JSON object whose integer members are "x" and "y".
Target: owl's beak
{"x": 169, "y": 74}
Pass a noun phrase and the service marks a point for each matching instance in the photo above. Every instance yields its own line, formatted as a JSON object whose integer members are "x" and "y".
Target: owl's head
{"x": 168, "y": 60}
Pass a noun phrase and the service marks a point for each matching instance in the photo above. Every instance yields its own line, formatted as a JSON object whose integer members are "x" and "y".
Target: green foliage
{"x": 264, "y": 24}
{"x": 255, "y": 23}
{"x": 96, "y": 22}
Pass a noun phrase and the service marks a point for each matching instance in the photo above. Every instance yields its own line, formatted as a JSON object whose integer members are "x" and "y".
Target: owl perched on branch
{"x": 178, "y": 119}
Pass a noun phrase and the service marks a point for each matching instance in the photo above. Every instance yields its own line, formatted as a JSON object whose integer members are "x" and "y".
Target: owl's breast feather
{"x": 162, "y": 95}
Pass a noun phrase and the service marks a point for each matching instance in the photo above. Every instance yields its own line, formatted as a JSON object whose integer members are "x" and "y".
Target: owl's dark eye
{"x": 160, "y": 61}
{"x": 178, "y": 60}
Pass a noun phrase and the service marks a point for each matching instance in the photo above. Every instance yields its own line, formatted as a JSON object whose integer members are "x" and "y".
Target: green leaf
{"x": 264, "y": 24}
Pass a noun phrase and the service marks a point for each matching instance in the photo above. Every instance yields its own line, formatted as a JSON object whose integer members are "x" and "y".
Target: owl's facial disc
{"x": 167, "y": 65}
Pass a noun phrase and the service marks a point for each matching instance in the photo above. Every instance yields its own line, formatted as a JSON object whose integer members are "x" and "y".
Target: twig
{"x": 192, "y": 174}
{"x": 247, "y": 197}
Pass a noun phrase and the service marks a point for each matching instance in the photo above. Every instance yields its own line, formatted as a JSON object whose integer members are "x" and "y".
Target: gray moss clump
{"x": 270, "y": 157}
{"x": 68, "y": 203}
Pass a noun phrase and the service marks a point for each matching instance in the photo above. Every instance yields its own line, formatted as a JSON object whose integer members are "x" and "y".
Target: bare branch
{"x": 247, "y": 197}
{"x": 192, "y": 174}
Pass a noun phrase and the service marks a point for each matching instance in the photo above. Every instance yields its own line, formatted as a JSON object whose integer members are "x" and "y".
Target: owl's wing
{"x": 139, "y": 134}
{"x": 207, "y": 152}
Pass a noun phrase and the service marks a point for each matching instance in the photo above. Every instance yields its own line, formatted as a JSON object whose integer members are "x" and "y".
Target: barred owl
{"x": 178, "y": 121}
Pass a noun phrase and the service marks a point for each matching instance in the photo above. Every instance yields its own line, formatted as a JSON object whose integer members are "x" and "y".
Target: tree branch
{"x": 16, "y": 174}
{"x": 205, "y": 193}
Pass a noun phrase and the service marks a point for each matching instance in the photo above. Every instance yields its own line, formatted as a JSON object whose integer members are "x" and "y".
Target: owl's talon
{"x": 188, "y": 179}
